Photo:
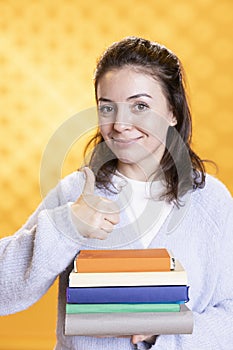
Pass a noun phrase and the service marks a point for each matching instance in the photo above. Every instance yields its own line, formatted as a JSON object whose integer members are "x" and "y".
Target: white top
{"x": 136, "y": 196}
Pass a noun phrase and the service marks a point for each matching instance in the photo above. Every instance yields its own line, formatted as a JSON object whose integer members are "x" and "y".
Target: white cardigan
{"x": 200, "y": 235}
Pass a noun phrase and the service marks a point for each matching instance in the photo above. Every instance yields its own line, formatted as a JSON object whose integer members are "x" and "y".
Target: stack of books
{"x": 125, "y": 292}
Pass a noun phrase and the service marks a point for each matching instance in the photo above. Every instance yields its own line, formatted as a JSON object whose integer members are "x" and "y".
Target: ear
{"x": 173, "y": 120}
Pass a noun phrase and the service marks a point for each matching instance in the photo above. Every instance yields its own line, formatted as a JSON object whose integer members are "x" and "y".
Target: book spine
{"x": 146, "y": 294}
{"x": 118, "y": 324}
{"x": 106, "y": 308}
{"x": 127, "y": 279}
{"x": 128, "y": 264}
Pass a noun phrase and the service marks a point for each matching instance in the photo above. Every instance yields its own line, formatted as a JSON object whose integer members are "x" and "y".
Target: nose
{"x": 122, "y": 120}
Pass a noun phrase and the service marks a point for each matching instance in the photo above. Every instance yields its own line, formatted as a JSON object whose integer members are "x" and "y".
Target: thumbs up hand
{"x": 94, "y": 216}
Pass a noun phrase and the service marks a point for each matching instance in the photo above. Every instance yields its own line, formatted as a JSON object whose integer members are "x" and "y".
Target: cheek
{"x": 159, "y": 133}
{"x": 105, "y": 130}
{"x": 156, "y": 127}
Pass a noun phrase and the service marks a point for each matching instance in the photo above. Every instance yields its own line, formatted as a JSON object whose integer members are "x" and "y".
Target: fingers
{"x": 99, "y": 234}
{"x": 107, "y": 226}
{"x": 113, "y": 219}
{"x": 137, "y": 338}
{"x": 102, "y": 229}
{"x": 109, "y": 209}
{"x": 140, "y": 338}
{"x": 89, "y": 182}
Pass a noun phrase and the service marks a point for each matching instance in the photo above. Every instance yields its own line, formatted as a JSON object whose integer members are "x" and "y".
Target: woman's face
{"x": 133, "y": 115}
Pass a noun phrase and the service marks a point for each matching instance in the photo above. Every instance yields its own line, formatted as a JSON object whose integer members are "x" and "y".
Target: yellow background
{"x": 48, "y": 51}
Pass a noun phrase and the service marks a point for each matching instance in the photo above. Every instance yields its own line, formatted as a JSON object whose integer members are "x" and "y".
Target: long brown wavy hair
{"x": 180, "y": 166}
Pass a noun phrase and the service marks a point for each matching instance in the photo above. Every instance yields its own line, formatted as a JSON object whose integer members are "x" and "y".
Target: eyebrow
{"x": 103, "y": 99}
{"x": 138, "y": 95}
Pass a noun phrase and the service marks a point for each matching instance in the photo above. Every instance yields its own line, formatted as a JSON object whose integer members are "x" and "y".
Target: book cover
{"x": 106, "y": 308}
{"x": 119, "y": 324}
{"x": 126, "y": 260}
{"x": 138, "y": 294}
{"x": 178, "y": 276}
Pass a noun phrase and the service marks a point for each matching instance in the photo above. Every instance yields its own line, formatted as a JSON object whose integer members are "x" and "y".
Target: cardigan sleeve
{"x": 213, "y": 326}
{"x": 32, "y": 258}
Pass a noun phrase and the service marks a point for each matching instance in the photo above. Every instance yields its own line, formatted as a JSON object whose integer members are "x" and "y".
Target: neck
{"x": 138, "y": 171}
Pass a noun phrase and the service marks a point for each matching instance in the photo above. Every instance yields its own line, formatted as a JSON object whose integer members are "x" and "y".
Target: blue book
{"x": 139, "y": 294}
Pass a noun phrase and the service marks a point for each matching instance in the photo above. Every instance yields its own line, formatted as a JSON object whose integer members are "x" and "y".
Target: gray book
{"x": 116, "y": 324}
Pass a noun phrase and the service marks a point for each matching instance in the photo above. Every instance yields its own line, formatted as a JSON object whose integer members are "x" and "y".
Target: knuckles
{"x": 95, "y": 216}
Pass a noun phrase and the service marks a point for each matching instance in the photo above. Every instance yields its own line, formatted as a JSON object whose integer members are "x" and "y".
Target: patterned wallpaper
{"x": 48, "y": 51}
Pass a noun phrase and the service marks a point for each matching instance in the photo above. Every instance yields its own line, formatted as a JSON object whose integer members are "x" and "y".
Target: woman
{"x": 144, "y": 187}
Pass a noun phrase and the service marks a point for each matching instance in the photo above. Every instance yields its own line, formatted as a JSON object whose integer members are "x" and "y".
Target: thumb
{"x": 89, "y": 182}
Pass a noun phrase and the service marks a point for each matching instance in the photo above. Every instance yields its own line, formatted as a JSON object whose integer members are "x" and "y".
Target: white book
{"x": 178, "y": 276}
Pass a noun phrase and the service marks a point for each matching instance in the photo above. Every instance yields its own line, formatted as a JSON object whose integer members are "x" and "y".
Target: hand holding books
{"x": 104, "y": 298}
{"x": 94, "y": 216}
{"x": 146, "y": 339}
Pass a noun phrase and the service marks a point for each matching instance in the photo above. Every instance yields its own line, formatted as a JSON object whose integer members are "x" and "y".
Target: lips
{"x": 126, "y": 141}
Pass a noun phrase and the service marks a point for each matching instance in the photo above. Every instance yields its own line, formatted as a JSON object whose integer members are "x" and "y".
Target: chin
{"x": 130, "y": 157}
{"x": 126, "y": 160}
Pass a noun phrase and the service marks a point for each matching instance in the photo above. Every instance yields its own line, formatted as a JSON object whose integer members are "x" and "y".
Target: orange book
{"x": 131, "y": 260}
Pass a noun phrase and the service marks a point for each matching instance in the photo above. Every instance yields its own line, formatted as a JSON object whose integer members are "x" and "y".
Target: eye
{"x": 106, "y": 110}
{"x": 140, "y": 107}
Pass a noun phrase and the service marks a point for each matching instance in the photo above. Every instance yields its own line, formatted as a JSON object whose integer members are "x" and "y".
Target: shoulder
{"x": 71, "y": 186}
{"x": 213, "y": 200}
{"x": 214, "y": 191}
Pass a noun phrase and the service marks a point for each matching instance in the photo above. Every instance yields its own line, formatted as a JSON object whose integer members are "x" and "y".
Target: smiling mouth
{"x": 126, "y": 141}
